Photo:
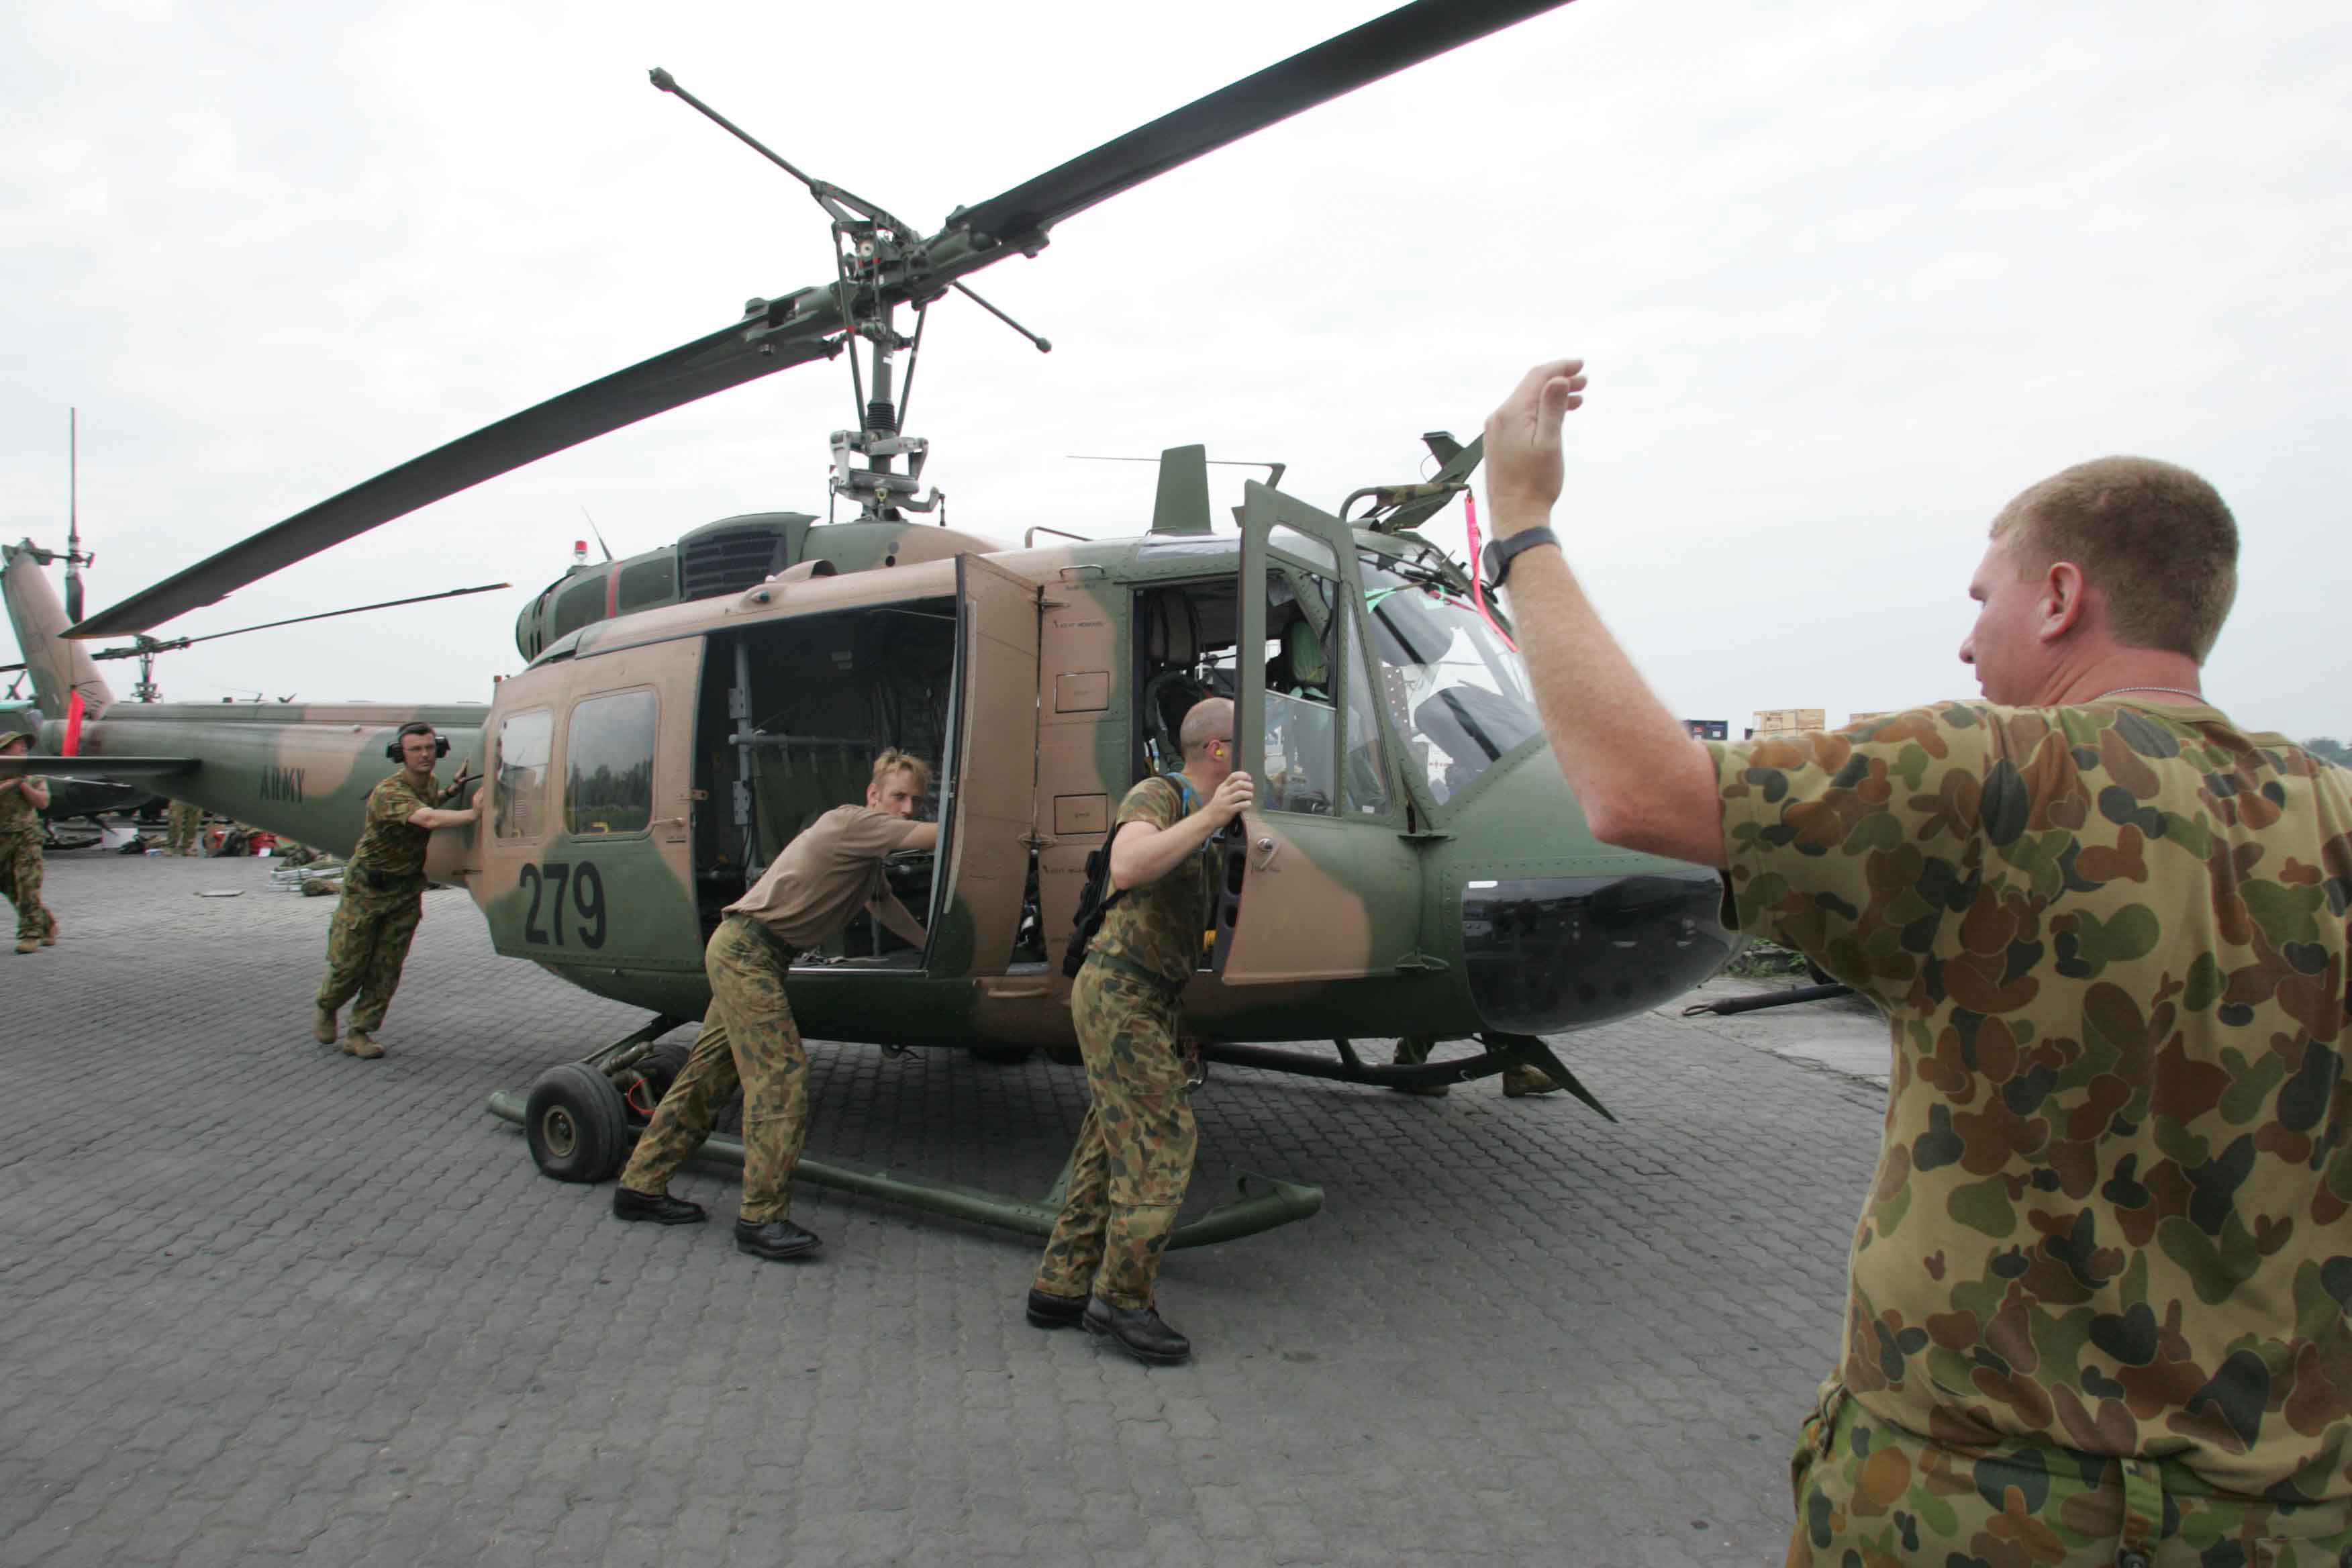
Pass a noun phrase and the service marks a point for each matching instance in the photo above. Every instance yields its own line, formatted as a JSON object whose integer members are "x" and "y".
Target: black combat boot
{"x": 658, "y": 1208}
{"x": 1138, "y": 1331}
{"x": 1048, "y": 1310}
{"x": 774, "y": 1239}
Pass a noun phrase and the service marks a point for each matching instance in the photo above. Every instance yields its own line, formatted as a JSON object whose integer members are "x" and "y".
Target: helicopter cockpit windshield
{"x": 1457, "y": 693}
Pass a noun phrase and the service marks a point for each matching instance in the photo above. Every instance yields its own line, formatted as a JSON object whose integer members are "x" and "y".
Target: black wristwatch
{"x": 1501, "y": 553}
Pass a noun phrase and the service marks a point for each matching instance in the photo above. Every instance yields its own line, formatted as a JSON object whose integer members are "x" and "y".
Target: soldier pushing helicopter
{"x": 384, "y": 890}
{"x": 816, "y": 886}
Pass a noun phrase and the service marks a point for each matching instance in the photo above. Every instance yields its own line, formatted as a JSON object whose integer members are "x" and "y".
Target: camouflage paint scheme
{"x": 748, "y": 1045}
{"x": 2109, "y": 1223}
{"x": 1353, "y": 927}
{"x": 1135, "y": 1149}
{"x": 1870, "y": 1492}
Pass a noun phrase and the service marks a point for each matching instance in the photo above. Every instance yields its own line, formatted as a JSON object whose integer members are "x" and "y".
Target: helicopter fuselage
{"x": 1416, "y": 865}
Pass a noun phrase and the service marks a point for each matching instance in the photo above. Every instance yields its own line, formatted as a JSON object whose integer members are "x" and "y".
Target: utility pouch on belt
{"x": 1096, "y": 898}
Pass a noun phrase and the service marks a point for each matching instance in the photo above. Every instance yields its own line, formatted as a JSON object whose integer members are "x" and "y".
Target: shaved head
{"x": 1210, "y": 719}
{"x": 2155, "y": 539}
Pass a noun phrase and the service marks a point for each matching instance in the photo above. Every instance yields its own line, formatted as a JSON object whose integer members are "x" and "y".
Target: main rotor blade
{"x": 1381, "y": 47}
{"x": 725, "y": 358}
{"x": 173, "y": 644}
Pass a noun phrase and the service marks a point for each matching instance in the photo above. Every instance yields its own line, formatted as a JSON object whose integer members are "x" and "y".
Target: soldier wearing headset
{"x": 384, "y": 889}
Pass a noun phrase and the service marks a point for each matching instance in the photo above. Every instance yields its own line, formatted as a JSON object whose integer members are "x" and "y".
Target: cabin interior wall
{"x": 826, "y": 695}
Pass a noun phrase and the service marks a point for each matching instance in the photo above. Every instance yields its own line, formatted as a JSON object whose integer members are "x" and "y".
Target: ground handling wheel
{"x": 643, "y": 1086}
{"x": 576, "y": 1125}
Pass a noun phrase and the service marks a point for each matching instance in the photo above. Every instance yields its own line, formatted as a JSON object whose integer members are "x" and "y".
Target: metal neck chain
{"x": 2169, "y": 690}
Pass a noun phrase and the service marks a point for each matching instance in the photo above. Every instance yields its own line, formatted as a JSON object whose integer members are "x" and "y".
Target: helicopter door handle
{"x": 1266, "y": 849}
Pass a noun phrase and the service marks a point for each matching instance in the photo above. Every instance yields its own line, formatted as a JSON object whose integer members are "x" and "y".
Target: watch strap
{"x": 1501, "y": 553}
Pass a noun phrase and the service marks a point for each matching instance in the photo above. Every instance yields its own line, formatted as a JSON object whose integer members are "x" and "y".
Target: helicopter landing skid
{"x": 1503, "y": 1051}
{"x": 572, "y": 1140}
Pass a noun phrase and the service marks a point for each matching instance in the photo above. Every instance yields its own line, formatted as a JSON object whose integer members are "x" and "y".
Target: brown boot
{"x": 26, "y": 945}
{"x": 358, "y": 1043}
{"x": 322, "y": 1025}
{"x": 1411, "y": 1052}
{"x": 1521, "y": 1081}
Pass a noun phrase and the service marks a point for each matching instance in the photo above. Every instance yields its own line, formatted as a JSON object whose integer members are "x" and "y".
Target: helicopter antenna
{"x": 592, "y": 529}
{"x": 75, "y": 557}
{"x": 1274, "y": 472}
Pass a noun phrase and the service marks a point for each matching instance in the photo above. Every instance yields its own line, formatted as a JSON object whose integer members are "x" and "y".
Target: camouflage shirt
{"x": 1158, "y": 926}
{"x": 18, "y": 816}
{"x": 2112, "y": 1199}
{"x": 390, "y": 845}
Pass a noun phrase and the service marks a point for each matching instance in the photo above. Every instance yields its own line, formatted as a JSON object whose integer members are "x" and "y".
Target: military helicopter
{"x": 1415, "y": 864}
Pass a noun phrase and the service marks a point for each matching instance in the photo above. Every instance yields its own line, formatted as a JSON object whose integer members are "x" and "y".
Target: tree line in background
{"x": 2328, "y": 746}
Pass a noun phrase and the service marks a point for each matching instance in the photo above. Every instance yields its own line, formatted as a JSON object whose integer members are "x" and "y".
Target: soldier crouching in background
{"x": 824, "y": 876}
{"x": 22, "y": 801}
{"x": 383, "y": 891}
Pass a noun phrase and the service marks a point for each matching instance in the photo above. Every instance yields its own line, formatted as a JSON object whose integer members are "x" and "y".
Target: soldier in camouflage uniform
{"x": 2100, "y": 1308}
{"x": 1134, "y": 1157}
{"x": 816, "y": 886}
{"x": 185, "y": 829}
{"x": 22, "y": 801}
{"x": 384, "y": 892}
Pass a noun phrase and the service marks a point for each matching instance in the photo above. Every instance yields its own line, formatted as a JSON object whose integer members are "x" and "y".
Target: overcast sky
{"x": 1848, "y": 275}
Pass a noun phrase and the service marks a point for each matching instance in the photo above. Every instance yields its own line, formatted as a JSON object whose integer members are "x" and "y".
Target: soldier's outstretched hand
{"x": 1523, "y": 462}
{"x": 1233, "y": 797}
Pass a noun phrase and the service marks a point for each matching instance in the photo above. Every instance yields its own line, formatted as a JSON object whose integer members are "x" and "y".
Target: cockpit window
{"x": 1457, "y": 693}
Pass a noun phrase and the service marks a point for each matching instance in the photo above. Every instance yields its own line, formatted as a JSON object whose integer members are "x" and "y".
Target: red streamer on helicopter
{"x": 1478, "y": 582}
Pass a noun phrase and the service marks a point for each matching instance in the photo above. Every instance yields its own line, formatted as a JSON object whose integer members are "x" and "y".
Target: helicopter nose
{"x": 1548, "y": 953}
{"x": 1578, "y": 932}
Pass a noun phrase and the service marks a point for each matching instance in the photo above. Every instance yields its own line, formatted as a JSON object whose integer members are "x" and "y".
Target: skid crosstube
{"x": 1261, "y": 1203}
{"x": 1502, "y": 1051}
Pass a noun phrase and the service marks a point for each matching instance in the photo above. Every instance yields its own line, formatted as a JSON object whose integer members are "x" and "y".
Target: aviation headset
{"x": 440, "y": 742}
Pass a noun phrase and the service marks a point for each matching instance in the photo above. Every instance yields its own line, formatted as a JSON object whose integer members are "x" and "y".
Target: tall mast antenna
{"x": 73, "y": 514}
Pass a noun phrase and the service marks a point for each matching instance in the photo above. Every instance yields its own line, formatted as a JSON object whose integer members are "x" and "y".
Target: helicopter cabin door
{"x": 1318, "y": 882}
{"x": 988, "y": 807}
{"x": 590, "y": 814}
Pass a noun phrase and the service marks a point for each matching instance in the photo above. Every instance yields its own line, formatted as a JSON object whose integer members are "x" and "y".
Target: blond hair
{"x": 896, "y": 761}
{"x": 2157, "y": 540}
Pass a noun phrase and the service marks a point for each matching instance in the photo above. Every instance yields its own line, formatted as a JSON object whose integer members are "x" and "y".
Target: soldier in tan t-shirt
{"x": 825, "y": 875}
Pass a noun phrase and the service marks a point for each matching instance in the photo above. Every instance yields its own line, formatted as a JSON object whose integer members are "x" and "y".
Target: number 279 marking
{"x": 548, "y": 884}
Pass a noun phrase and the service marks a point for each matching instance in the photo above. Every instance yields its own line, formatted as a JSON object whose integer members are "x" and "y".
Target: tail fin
{"x": 59, "y": 668}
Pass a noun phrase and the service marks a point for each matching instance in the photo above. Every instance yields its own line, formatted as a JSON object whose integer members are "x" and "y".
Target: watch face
{"x": 1493, "y": 562}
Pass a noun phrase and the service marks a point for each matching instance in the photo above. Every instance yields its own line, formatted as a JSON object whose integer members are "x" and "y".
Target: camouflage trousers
{"x": 184, "y": 826}
{"x": 1873, "y": 1495}
{"x": 1134, "y": 1157}
{"x": 366, "y": 946}
{"x": 748, "y": 1039}
{"x": 20, "y": 884}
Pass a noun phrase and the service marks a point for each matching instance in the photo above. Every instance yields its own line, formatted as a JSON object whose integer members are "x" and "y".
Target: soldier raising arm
{"x": 2099, "y": 1302}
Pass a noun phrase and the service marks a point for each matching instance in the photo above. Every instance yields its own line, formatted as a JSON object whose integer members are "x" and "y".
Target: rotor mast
{"x": 872, "y": 251}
